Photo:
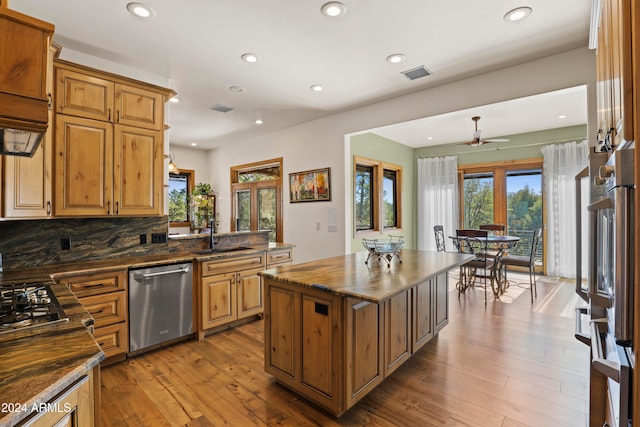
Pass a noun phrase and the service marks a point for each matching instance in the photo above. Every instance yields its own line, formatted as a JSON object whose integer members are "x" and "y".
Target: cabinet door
{"x": 250, "y": 295}
{"x": 282, "y": 339}
{"x": 27, "y": 183}
{"x": 138, "y": 107}
{"x": 83, "y": 166}
{"x": 422, "y": 318}
{"x": 442, "y": 302}
{"x": 82, "y": 95}
{"x": 396, "y": 331}
{"x": 138, "y": 171}
{"x": 75, "y": 408}
{"x": 218, "y": 300}
{"x": 363, "y": 345}
{"x": 319, "y": 350}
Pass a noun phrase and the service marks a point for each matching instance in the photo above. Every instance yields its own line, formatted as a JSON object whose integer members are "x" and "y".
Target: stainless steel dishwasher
{"x": 160, "y": 304}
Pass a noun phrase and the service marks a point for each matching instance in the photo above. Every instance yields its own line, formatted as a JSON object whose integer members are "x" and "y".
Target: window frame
{"x": 377, "y": 193}
{"x": 191, "y": 177}
{"x": 254, "y": 187}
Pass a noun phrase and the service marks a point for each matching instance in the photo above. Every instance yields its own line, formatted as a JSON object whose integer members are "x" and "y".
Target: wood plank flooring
{"x": 508, "y": 364}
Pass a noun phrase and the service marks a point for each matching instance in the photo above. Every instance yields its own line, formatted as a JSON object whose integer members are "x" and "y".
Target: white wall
{"x": 321, "y": 143}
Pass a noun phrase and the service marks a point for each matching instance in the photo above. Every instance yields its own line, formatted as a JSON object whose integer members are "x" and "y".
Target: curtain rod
{"x": 505, "y": 148}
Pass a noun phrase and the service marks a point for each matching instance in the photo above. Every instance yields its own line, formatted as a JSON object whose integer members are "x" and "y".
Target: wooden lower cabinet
{"x": 441, "y": 304}
{"x": 230, "y": 289}
{"x": 333, "y": 349}
{"x": 397, "y": 327}
{"x": 104, "y": 295}
{"x": 75, "y": 407}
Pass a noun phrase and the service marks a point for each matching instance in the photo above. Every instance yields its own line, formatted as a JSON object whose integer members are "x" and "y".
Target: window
{"x": 364, "y": 198}
{"x": 377, "y": 193}
{"x": 180, "y": 187}
{"x": 257, "y": 198}
{"x": 508, "y": 194}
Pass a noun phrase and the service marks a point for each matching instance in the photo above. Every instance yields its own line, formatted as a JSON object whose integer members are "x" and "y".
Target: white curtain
{"x": 437, "y": 199}
{"x": 561, "y": 164}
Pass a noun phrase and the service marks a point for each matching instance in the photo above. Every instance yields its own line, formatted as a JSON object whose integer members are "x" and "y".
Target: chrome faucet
{"x": 212, "y": 243}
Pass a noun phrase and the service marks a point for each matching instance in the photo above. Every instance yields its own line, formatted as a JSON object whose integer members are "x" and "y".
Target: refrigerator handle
{"x": 584, "y": 173}
{"x": 600, "y": 363}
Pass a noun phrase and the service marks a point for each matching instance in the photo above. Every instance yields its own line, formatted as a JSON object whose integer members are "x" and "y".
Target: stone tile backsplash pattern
{"x": 38, "y": 242}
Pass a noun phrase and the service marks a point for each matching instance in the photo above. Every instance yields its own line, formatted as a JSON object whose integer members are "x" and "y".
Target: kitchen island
{"x": 336, "y": 327}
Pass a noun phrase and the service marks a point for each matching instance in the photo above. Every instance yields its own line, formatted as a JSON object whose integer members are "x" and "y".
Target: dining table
{"x": 500, "y": 243}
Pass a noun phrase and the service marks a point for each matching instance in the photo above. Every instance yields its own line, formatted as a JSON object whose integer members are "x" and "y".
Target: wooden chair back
{"x": 496, "y": 229}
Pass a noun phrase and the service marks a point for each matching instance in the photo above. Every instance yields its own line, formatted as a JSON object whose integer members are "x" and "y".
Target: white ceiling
{"x": 196, "y": 45}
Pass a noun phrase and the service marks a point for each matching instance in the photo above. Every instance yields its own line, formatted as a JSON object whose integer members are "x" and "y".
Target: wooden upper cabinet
{"x": 24, "y": 43}
{"x": 138, "y": 107}
{"x": 84, "y": 166}
{"x": 87, "y": 95}
{"x": 109, "y": 143}
{"x": 27, "y": 181}
{"x": 82, "y": 95}
{"x": 138, "y": 171}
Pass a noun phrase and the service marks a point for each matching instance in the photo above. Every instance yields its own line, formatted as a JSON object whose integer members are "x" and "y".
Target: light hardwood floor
{"x": 508, "y": 364}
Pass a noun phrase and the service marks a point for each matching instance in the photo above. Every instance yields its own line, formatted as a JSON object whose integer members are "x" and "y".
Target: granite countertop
{"x": 38, "y": 363}
{"x": 119, "y": 263}
{"x": 349, "y": 275}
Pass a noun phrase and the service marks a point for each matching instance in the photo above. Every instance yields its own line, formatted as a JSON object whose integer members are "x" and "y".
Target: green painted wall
{"x": 378, "y": 148}
{"x": 520, "y": 146}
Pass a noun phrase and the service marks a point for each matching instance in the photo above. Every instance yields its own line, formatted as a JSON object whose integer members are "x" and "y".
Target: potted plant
{"x": 203, "y": 203}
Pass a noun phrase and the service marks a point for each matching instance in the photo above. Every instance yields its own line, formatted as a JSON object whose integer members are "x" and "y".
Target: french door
{"x": 504, "y": 193}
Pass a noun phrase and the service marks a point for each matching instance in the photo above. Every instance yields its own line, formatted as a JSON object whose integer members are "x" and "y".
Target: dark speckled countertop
{"x": 38, "y": 363}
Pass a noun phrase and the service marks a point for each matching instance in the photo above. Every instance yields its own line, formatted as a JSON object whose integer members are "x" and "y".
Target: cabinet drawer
{"x": 113, "y": 339}
{"x": 279, "y": 257}
{"x": 106, "y": 309}
{"x": 228, "y": 265}
{"x": 94, "y": 284}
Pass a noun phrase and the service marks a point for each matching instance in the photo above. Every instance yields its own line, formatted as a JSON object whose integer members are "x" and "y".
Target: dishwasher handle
{"x": 163, "y": 273}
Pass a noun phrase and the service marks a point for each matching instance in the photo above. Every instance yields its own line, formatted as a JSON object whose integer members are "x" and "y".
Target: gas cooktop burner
{"x": 28, "y": 304}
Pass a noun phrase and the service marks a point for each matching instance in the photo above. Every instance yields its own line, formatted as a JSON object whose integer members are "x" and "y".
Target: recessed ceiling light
{"x": 175, "y": 100}
{"x": 333, "y": 9}
{"x": 250, "y": 57}
{"x": 258, "y": 122}
{"x": 517, "y": 14}
{"x": 562, "y": 116}
{"x": 429, "y": 138}
{"x": 141, "y": 10}
{"x": 193, "y": 144}
{"x": 395, "y": 58}
{"x": 236, "y": 89}
{"x": 317, "y": 88}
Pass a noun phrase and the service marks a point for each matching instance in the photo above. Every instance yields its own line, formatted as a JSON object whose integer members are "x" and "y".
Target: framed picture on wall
{"x": 310, "y": 186}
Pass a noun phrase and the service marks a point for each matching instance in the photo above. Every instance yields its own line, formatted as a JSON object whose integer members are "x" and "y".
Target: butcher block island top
{"x": 336, "y": 327}
{"x": 348, "y": 275}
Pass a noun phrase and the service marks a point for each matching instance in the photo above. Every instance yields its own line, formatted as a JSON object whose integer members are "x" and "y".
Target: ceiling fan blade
{"x": 496, "y": 140}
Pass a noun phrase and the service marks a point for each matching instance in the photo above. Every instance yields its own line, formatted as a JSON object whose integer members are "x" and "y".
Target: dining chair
{"x": 497, "y": 230}
{"x": 527, "y": 261}
{"x": 472, "y": 241}
{"x": 438, "y": 230}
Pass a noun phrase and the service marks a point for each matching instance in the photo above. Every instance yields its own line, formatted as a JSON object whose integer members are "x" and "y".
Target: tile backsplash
{"x": 39, "y": 242}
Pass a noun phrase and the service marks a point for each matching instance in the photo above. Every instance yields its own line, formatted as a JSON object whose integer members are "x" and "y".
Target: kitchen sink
{"x": 221, "y": 250}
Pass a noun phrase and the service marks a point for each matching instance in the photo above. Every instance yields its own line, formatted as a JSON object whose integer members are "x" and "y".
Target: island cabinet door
{"x": 363, "y": 348}
{"x": 281, "y": 324}
{"x": 422, "y": 297}
{"x": 397, "y": 326}
{"x": 441, "y": 305}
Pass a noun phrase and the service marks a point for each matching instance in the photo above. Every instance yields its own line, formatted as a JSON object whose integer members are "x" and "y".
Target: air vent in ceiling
{"x": 221, "y": 108}
{"x": 416, "y": 73}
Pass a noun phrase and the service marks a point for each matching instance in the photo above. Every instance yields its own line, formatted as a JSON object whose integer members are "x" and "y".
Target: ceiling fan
{"x": 477, "y": 140}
